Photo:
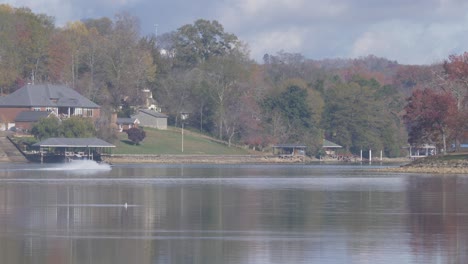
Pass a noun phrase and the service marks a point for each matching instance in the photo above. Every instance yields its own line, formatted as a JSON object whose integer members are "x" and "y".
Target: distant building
{"x": 149, "y": 102}
{"x": 419, "y": 151}
{"x": 124, "y": 124}
{"x": 289, "y": 150}
{"x": 151, "y": 118}
{"x": 63, "y": 101}
{"x": 330, "y": 147}
{"x": 26, "y": 119}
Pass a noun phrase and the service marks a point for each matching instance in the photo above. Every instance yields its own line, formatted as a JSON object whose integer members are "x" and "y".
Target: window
{"x": 79, "y": 111}
{"x": 37, "y": 109}
{"x": 49, "y": 109}
{"x": 89, "y": 112}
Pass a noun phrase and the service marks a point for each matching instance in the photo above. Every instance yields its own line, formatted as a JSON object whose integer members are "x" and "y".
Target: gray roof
{"x": 31, "y": 116}
{"x": 74, "y": 142}
{"x": 46, "y": 95}
{"x": 124, "y": 121}
{"x": 151, "y": 113}
{"x": 329, "y": 144}
{"x": 289, "y": 146}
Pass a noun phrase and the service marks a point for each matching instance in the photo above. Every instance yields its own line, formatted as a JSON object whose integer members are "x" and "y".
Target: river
{"x": 89, "y": 213}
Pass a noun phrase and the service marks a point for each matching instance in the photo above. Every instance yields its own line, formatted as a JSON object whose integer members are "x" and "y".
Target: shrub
{"x": 136, "y": 135}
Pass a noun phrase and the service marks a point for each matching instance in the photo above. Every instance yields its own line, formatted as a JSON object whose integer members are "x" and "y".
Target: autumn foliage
{"x": 431, "y": 117}
{"x": 199, "y": 68}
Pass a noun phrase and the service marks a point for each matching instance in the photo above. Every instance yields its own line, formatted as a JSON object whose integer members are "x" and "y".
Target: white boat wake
{"x": 78, "y": 165}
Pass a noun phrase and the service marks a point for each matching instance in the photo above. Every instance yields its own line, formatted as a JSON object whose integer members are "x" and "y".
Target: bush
{"x": 136, "y": 135}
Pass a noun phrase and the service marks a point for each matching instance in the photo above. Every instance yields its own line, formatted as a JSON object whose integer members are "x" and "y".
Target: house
{"x": 127, "y": 123}
{"x": 149, "y": 102}
{"x": 26, "y": 119}
{"x": 330, "y": 147}
{"x": 151, "y": 118}
{"x": 59, "y": 99}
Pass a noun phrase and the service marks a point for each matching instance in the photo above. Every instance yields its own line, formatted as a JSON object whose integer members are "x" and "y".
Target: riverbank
{"x": 439, "y": 170}
{"x": 448, "y": 164}
{"x": 202, "y": 159}
{"x": 228, "y": 159}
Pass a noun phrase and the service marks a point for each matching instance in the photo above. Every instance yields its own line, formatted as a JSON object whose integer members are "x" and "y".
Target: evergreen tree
{"x": 136, "y": 135}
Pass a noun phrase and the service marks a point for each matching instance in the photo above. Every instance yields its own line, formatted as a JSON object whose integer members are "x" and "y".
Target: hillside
{"x": 169, "y": 142}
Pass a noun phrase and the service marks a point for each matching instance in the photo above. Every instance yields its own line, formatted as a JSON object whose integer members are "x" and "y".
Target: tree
{"x": 73, "y": 127}
{"x": 249, "y": 113}
{"x": 456, "y": 70}
{"x": 195, "y": 44}
{"x": 129, "y": 65}
{"x": 60, "y": 60}
{"x": 431, "y": 117}
{"x": 8, "y": 62}
{"x": 176, "y": 90}
{"x": 105, "y": 128}
{"x": 284, "y": 66}
{"x": 77, "y": 127}
{"x": 224, "y": 77}
{"x": 410, "y": 77}
{"x": 46, "y": 128}
{"x": 289, "y": 118}
{"x": 31, "y": 42}
{"x": 203, "y": 104}
{"x": 93, "y": 73}
{"x": 356, "y": 116}
{"x": 102, "y": 25}
{"x": 24, "y": 50}
{"x": 136, "y": 135}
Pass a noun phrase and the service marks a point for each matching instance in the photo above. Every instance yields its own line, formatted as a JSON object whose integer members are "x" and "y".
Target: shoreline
{"x": 434, "y": 165}
{"x": 229, "y": 159}
{"x": 427, "y": 170}
{"x": 199, "y": 159}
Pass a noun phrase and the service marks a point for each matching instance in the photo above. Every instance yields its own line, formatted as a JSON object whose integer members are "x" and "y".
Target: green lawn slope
{"x": 170, "y": 142}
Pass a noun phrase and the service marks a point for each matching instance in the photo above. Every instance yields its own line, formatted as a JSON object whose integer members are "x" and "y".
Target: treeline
{"x": 207, "y": 72}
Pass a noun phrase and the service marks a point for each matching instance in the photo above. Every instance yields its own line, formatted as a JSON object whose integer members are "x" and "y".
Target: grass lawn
{"x": 170, "y": 142}
{"x": 455, "y": 156}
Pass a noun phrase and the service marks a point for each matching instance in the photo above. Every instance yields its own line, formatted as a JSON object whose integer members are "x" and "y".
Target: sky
{"x": 407, "y": 31}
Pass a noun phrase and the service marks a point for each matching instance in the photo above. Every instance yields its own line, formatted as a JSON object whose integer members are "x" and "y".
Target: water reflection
{"x": 231, "y": 214}
{"x": 439, "y": 217}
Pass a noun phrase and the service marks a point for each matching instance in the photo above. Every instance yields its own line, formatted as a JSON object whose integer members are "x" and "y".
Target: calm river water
{"x": 229, "y": 214}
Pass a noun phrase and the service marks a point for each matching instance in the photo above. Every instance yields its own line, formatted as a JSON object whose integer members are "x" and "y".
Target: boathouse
{"x": 71, "y": 148}
{"x": 330, "y": 147}
{"x": 289, "y": 150}
{"x": 421, "y": 151}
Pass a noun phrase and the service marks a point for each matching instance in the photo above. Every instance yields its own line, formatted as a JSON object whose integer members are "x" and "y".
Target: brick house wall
{"x": 8, "y": 115}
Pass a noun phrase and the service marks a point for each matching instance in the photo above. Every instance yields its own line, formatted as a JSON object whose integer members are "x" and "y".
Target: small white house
{"x": 421, "y": 150}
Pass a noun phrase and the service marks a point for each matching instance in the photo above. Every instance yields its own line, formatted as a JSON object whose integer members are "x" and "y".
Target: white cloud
{"x": 417, "y": 31}
{"x": 62, "y": 11}
{"x": 256, "y": 7}
{"x": 269, "y": 26}
{"x": 257, "y": 14}
{"x": 410, "y": 42}
{"x": 71, "y": 10}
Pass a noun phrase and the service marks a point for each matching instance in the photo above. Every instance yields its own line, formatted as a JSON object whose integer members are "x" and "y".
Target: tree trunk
{"x": 230, "y": 138}
{"x": 221, "y": 128}
{"x": 444, "y": 141}
{"x": 201, "y": 119}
